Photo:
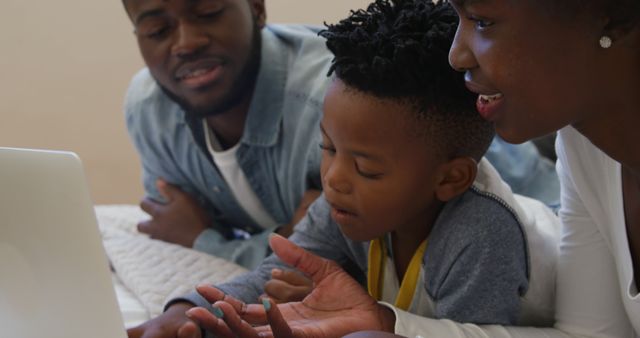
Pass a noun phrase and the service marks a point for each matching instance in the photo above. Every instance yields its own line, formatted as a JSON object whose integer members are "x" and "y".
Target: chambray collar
{"x": 264, "y": 118}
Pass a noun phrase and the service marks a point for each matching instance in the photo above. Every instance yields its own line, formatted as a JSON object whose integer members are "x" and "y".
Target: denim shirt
{"x": 278, "y": 152}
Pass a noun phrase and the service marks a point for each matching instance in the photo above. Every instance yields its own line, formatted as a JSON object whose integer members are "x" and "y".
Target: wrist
{"x": 387, "y": 319}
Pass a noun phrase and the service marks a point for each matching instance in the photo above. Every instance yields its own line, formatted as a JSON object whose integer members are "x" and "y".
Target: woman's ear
{"x": 455, "y": 177}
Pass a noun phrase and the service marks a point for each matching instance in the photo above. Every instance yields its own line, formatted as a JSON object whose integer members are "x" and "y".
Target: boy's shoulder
{"x": 483, "y": 210}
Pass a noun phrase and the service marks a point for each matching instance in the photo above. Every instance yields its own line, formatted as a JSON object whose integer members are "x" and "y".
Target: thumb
{"x": 313, "y": 266}
{"x": 189, "y": 330}
{"x": 165, "y": 189}
{"x": 135, "y": 332}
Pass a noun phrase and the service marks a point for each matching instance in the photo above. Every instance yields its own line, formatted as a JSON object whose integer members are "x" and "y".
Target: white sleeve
{"x": 588, "y": 294}
{"x": 412, "y": 326}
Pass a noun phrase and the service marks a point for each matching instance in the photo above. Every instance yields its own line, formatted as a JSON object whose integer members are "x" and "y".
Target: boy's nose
{"x": 335, "y": 180}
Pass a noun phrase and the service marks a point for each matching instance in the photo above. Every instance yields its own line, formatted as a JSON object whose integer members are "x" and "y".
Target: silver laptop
{"x": 54, "y": 275}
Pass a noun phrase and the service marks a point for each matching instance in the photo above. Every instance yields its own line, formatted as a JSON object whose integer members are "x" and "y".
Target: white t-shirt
{"x": 226, "y": 162}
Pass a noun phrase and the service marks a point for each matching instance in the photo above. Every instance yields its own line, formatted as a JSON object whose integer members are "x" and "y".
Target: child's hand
{"x": 173, "y": 323}
{"x": 287, "y": 286}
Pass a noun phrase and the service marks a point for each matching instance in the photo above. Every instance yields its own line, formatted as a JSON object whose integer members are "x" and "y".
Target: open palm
{"x": 338, "y": 305}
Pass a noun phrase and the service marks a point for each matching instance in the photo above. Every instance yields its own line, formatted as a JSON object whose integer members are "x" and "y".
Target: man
{"x": 225, "y": 120}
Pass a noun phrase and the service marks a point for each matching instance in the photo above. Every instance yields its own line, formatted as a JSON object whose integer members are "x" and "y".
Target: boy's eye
{"x": 368, "y": 175}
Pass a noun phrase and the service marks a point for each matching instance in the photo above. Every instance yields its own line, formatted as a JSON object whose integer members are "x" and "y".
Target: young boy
{"x": 409, "y": 207}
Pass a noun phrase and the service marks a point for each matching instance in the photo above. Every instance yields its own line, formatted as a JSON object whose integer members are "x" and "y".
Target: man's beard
{"x": 242, "y": 86}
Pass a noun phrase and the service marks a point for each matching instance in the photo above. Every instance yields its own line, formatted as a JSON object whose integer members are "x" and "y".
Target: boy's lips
{"x": 341, "y": 215}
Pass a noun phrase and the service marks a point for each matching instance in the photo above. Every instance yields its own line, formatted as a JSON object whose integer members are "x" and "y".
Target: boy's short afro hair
{"x": 398, "y": 50}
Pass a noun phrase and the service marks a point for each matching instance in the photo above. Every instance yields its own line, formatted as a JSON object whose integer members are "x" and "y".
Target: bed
{"x": 146, "y": 272}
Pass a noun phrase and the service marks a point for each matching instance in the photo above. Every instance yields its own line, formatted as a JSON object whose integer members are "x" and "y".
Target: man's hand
{"x": 287, "y": 286}
{"x": 179, "y": 221}
{"x": 307, "y": 199}
{"x": 171, "y": 324}
{"x": 338, "y": 305}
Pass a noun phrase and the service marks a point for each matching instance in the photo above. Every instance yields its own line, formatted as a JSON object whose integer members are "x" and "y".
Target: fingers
{"x": 167, "y": 190}
{"x": 210, "y": 293}
{"x": 189, "y": 330}
{"x": 282, "y": 292}
{"x": 278, "y": 325}
{"x": 236, "y": 324}
{"x": 210, "y": 322}
{"x": 291, "y": 277}
{"x": 135, "y": 332}
{"x": 146, "y": 227}
{"x": 150, "y": 206}
{"x": 315, "y": 267}
{"x": 252, "y": 313}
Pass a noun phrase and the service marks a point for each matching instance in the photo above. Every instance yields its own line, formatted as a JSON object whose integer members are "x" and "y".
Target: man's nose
{"x": 190, "y": 39}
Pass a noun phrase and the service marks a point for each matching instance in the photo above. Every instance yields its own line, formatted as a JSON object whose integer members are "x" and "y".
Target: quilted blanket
{"x": 155, "y": 271}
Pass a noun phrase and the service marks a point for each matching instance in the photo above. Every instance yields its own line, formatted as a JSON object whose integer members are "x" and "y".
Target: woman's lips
{"x": 489, "y": 100}
{"x": 488, "y": 105}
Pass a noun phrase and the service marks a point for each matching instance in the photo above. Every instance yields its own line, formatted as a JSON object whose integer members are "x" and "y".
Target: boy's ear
{"x": 455, "y": 177}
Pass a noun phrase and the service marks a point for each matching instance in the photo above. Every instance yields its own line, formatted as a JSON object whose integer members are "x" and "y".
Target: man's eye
{"x": 158, "y": 33}
{"x": 210, "y": 14}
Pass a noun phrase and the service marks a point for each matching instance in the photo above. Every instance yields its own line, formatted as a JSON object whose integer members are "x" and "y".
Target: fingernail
{"x": 276, "y": 272}
{"x": 217, "y": 312}
{"x": 266, "y": 304}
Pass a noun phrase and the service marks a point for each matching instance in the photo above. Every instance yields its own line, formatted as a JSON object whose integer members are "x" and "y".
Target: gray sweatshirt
{"x": 475, "y": 268}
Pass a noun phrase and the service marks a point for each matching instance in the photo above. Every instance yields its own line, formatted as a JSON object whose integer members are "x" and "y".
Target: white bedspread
{"x": 150, "y": 272}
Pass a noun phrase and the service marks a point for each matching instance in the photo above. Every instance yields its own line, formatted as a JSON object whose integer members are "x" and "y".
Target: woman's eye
{"x": 329, "y": 149}
{"x": 480, "y": 23}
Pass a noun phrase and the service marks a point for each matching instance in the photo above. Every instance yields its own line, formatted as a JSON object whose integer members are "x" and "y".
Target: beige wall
{"x": 64, "y": 68}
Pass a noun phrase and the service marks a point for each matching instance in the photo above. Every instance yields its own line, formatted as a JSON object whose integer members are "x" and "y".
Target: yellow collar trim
{"x": 375, "y": 273}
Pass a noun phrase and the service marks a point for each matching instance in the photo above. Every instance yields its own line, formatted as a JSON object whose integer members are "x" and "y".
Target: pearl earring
{"x": 605, "y": 42}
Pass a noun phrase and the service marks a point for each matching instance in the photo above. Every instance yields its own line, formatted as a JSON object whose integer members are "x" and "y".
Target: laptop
{"x": 54, "y": 274}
